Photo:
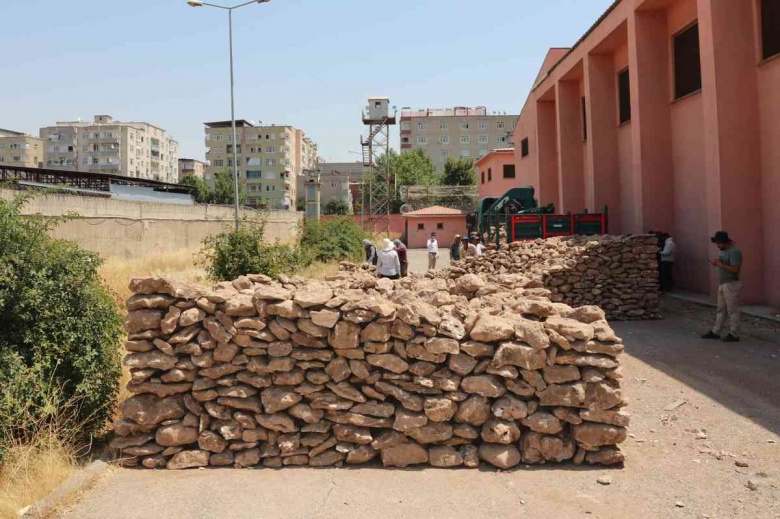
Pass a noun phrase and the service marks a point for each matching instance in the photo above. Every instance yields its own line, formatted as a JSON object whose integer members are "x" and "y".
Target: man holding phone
{"x": 729, "y": 265}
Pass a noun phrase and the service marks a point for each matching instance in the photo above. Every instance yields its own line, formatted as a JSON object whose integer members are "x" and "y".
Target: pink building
{"x": 668, "y": 111}
{"x": 496, "y": 173}
{"x": 445, "y": 222}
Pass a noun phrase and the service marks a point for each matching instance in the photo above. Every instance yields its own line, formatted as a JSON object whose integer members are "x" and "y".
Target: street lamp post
{"x": 200, "y": 3}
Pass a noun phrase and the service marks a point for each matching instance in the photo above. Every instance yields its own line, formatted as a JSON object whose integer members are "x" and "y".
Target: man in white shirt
{"x": 667, "y": 263}
{"x": 433, "y": 251}
{"x": 480, "y": 249}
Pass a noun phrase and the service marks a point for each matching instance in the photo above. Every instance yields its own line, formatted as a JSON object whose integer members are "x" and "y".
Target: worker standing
{"x": 403, "y": 257}
{"x": 455, "y": 248}
{"x": 729, "y": 265}
{"x": 433, "y": 251}
{"x": 388, "y": 265}
{"x": 478, "y": 247}
{"x": 667, "y": 262}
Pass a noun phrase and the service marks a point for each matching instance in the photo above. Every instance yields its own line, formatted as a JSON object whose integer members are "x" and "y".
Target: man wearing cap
{"x": 729, "y": 264}
{"x": 478, "y": 247}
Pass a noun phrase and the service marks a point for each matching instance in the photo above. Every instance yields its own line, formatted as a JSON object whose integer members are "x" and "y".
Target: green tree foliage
{"x": 201, "y": 191}
{"x": 237, "y": 253}
{"x": 412, "y": 168}
{"x": 224, "y": 193}
{"x": 59, "y": 329}
{"x": 459, "y": 172}
{"x": 300, "y": 204}
{"x": 336, "y": 206}
{"x": 336, "y": 239}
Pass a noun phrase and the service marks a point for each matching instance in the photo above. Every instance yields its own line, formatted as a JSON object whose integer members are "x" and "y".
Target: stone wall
{"x": 136, "y": 229}
{"x": 616, "y": 273}
{"x": 417, "y": 371}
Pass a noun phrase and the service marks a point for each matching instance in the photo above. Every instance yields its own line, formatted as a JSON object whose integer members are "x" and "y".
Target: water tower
{"x": 377, "y": 180}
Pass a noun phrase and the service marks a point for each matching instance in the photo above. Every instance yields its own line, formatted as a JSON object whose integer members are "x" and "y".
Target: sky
{"x": 307, "y": 63}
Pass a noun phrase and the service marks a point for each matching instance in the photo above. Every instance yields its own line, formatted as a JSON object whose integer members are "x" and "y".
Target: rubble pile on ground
{"x": 616, "y": 273}
{"x": 417, "y": 371}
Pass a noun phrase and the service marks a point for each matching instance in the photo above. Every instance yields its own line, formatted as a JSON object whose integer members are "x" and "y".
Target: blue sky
{"x": 309, "y": 63}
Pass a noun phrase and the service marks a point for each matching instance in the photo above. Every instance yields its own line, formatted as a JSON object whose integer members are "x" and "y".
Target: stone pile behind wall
{"x": 417, "y": 371}
{"x": 616, "y": 273}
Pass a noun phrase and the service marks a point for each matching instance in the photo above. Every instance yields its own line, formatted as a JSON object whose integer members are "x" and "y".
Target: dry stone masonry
{"x": 444, "y": 372}
{"x": 616, "y": 273}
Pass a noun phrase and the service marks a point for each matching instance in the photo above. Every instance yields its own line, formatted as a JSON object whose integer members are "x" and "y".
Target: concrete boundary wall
{"x": 136, "y": 229}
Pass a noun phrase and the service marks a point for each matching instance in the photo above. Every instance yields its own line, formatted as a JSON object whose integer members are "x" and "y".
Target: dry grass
{"x": 32, "y": 471}
{"x": 183, "y": 265}
{"x": 319, "y": 270}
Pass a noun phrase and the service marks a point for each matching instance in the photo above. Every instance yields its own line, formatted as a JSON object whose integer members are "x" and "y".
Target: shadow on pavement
{"x": 744, "y": 376}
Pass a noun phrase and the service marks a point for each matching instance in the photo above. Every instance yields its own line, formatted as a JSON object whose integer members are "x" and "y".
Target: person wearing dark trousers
{"x": 371, "y": 252}
{"x": 403, "y": 257}
{"x": 455, "y": 249}
{"x": 667, "y": 262}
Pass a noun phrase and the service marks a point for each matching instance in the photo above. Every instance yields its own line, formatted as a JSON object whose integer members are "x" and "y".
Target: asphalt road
{"x": 681, "y": 463}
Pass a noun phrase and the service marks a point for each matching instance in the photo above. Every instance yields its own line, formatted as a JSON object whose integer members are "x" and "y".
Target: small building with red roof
{"x": 444, "y": 221}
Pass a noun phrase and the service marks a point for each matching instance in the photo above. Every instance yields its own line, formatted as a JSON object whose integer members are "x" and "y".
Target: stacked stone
{"x": 616, "y": 273}
{"x": 418, "y": 371}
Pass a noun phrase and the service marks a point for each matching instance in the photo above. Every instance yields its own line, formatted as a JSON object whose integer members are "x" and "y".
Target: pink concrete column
{"x": 732, "y": 133}
{"x": 651, "y": 126}
{"x": 547, "y": 150}
{"x": 570, "y": 159}
{"x": 602, "y": 181}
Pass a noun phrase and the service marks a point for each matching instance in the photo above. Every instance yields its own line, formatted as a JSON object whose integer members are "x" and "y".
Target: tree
{"x": 459, "y": 172}
{"x": 412, "y": 168}
{"x": 336, "y": 206}
{"x": 224, "y": 192}
{"x": 300, "y": 204}
{"x": 201, "y": 191}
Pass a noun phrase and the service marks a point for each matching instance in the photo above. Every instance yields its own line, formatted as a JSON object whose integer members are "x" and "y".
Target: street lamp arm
{"x": 235, "y": 6}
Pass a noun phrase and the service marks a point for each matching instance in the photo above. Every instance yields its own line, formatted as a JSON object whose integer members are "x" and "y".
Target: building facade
{"x": 444, "y": 221}
{"x": 455, "y": 132}
{"x": 496, "y": 173}
{"x": 192, "y": 167}
{"x": 131, "y": 149}
{"x": 667, "y": 112}
{"x": 20, "y": 150}
{"x": 270, "y": 160}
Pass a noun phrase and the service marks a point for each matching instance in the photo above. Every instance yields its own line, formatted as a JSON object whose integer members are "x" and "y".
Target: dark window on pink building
{"x": 490, "y": 174}
{"x": 770, "y": 27}
{"x": 420, "y": 226}
{"x": 524, "y": 147}
{"x": 439, "y": 226}
{"x": 624, "y": 96}
{"x": 483, "y": 177}
{"x": 509, "y": 171}
{"x": 584, "y": 121}
{"x": 687, "y": 65}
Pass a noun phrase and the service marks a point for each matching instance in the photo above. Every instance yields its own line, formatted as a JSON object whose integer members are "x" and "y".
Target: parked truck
{"x": 517, "y": 216}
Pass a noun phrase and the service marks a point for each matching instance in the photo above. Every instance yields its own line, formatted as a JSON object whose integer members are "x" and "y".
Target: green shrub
{"x": 59, "y": 329}
{"x": 239, "y": 252}
{"x": 336, "y": 239}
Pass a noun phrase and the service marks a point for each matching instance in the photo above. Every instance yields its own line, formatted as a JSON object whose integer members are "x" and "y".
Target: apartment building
{"x": 130, "y": 149}
{"x": 668, "y": 112}
{"x": 334, "y": 185}
{"x": 455, "y": 132}
{"x": 270, "y": 160}
{"x": 192, "y": 167}
{"x": 20, "y": 150}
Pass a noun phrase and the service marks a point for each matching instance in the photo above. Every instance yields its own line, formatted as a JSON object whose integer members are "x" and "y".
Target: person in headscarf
{"x": 371, "y": 253}
{"x": 388, "y": 266}
{"x": 403, "y": 257}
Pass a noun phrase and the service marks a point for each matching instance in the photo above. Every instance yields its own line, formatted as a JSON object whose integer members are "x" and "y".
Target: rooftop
{"x": 458, "y": 111}
{"x": 435, "y": 210}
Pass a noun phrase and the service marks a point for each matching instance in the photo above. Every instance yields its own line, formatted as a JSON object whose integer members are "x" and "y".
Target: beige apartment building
{"x": 20, "y": 150}
{"x": 334, "y": 185}
{"x": 270, "y": 160}
{"x": 130, "y": 149}
{"x": 192, "y": 167}
{"x": 455, "y": 132}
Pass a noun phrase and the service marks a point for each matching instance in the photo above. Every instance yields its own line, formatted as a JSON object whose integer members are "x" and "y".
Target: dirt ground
{"x": 705, "y": 430}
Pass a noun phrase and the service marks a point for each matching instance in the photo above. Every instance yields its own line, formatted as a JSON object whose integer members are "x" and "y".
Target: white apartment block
{"x": 270, "y": 160}
{"x": 20, "y": 150}
{"x": 130, "y": 149}
{"x": 459, "y": 132}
